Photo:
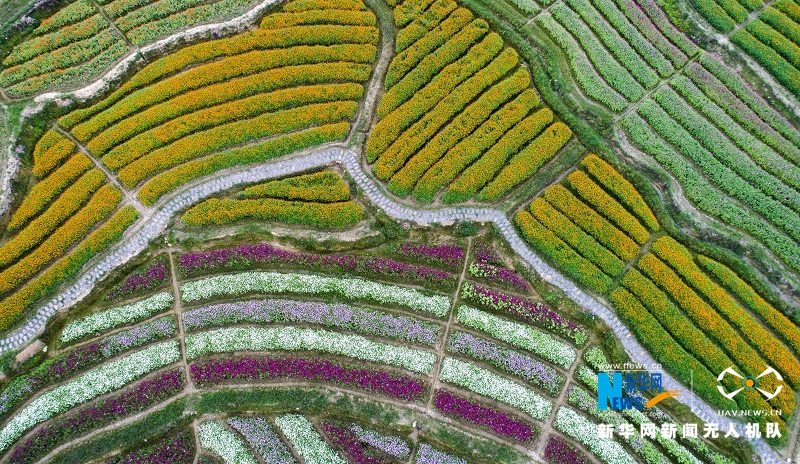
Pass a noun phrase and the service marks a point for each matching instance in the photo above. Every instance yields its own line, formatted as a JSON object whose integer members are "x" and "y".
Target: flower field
{"x": 452, "y": 92}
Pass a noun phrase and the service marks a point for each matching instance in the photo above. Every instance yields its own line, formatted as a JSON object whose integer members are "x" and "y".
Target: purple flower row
{"x": 83, "y": 357}
{"x": 559, "y": 451}
{"x": 535, "y": 372}
{"x": 498, "y": 275}
{"x": 248, "y": 368}
{"x": 450, "y": 255}
{"x": 526, "y": 310}
{"x": 98, "y": 414}
{"x": 263, "y": 438}
{"x": 311, "y": 312}
{"x": 347, "y": 444}
{"x": 179, "y": 449}
{"x": 141, "y": 280}
{"x": 484, "y": 416}
{"x": 247, "y": 256}
{"x": 484, "y": 253}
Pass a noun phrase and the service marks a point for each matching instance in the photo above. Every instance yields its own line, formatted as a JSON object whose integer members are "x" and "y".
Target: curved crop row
{"x": 420, "y": 26}
{"x": 51, "y": 149}
{"x": 321, "y": 215}
{"x": 115, "y": 317}
{"x": 324, "y": 187}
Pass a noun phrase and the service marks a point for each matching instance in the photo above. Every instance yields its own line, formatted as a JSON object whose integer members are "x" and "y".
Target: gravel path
{"x": 155, "y": 225}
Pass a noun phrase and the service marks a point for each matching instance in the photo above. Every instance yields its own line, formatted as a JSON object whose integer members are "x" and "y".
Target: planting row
{"x": 452, "y": 94}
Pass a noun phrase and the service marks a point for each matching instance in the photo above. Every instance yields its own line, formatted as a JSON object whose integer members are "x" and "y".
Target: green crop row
{"x": 610, "y": 179}
{"x": 44, "y": 191}
{"x": 567, "y": 259}
{"x": 484, "y": 169}
{"x": 117, "y": 8}
{"x": 774, "y": 63}
{"x": 781, "y": 23}
{"x": 471, "y": 148}
{"x": 682, "y": 261}
{"x": 720, "y": 17}
{"x": 62, "y": 58}
{"x": 423, "y": 24}
{"x": 651, "y": 19}
{"x": 583, "y": 70}
{"x": 271, "y": 148}
{"x": 759, "y": 152}
{"x": 70, "y": 14}
{"x": 39, "y": 45}
{"x": 436, "y": 63}
{"x": 719, "y": 174}
{"x": 13, "y": 307}
{"x": 606, "y": 205}
{"x": 117, "y": 137}
{"x": 612, "y": 71}
{"x": 618, "y": 46}
{"x": 76, "y": 227}
{"x": 705, "y": 197}
{"x": 50, "y": 151}
{"x": 772, "y": 38}
{"x": 443, "y": 109}
{"x": 524, "y": 164}
{"x": 322, "y": 187}
{"x": 461, "y": 126}
{"x": 235, "y": 133}
{"x": 576, "y": 238}
{"x": 63, "y": 208}
{"x": 246, "y": 108}
{"x": 790, "y": 8}
{"x": 648, "y": 42}
{"x": 724, "y": 151}
{"x": 322, "y": 215}
{"x": 406, "y": 11}
{"x": 410, "y": 57}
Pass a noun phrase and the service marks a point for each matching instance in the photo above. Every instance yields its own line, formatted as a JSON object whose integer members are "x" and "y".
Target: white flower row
{"x": 215, "y": 437}
{"x": 523, "y": 336}
{"x": 295, "y": 338}
{"x": 92, "y": 384}
{"x": 584, "y": 431}
{"x": 348, "y": 288}
{"x": 113, "y": 317}
{"x": 306, "y": 441}
{"x": 491, "y": 385}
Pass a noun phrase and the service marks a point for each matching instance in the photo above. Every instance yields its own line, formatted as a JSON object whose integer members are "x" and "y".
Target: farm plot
{"x": 693, "y": 313}
{"x": 320, "y": 200}
{"x": 459, "y": 116}
{"x": 70, "y": 214}
{"x": 291, "y": 84}
{"x": 73, "y": 45}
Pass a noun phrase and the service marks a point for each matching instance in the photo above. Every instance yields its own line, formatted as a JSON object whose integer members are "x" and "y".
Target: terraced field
{"x": 417, "y": 231}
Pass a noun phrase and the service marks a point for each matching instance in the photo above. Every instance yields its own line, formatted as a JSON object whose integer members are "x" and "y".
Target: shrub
{"x": 607, "y": 205}
{"x": 321, "y": 215}
{"x": 45, "y": 190}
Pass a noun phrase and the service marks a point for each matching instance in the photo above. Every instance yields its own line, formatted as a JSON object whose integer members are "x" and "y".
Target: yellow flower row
{"x": 484, "y": 169}
{"x": 461, "y": 126}
{"x": 61, "y": 209}
{"x": 321, "y": 215}
{"x": 45, "y": 190}
{"x": 580, "y": 268}
{"x": 237, "y": 110}
{"x": 313, "y": 17}
{"x": 604, "y": 203}
{"x": 271, "y": 148}
{"x": 478, "y": 143}
{"x": 525, "y": 163}
{"x": 323, "y": 187}
{"x": 305, "y": 5}
{"x": 621, "y": 188}
{"x": 405, "y": 12}
{"x": 101, "y": 204}
{"x": 235, "y": 133}
{"x": 422, "y": 24}
{"x": 12, "y": 308}
{"x": 421, "y": 131}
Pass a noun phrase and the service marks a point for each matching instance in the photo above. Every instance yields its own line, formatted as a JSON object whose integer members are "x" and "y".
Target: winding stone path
{"x": 153, "y": 226}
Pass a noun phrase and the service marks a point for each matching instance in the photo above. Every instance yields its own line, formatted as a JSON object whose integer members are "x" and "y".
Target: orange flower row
{"x": 322, "y": 187}
{"x": 50, "y": 151}
{"x": 305, "y": 5}
{"x": 310, "y": 17}
{"x": 321, "y": 215}
{"x": 422, "y": 25}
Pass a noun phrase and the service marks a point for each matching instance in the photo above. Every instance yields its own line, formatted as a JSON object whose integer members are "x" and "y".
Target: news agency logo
{"x": 749, "y": 383}
{"x": 610, "y": 390}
